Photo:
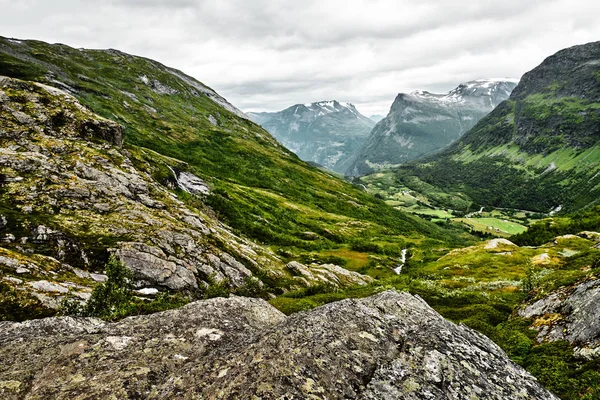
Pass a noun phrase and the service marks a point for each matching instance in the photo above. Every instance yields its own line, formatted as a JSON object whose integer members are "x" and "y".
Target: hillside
{"x": 134, "y": 159}
{"x": 422, "y": 123}
{"x": 325, "y": 132}
{"x": 538, "y": 150}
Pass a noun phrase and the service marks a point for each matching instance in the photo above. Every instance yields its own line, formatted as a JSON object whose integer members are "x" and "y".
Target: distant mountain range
{"x": 539, "y": 150}
{"x": 325, "y": 132}
{"x": 422, "y": 123}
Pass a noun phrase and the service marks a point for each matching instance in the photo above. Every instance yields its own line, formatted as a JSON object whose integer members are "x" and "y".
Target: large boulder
{"x": 392, "y": 345}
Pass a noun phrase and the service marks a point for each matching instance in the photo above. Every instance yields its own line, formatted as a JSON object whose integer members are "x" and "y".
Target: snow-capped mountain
{"x": 422, "y": 123}
{"x": 325, "y": 132}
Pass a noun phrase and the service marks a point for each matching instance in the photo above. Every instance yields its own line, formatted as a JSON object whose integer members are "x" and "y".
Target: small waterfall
{"x": 398, "y": 269}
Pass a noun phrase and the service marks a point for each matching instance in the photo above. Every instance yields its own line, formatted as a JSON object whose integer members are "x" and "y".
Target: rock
{"x": 192, "y": 184}
{"x": 147, "y": 291}
{"x": 329, "y": 274}
{"x": 570, "y": 313}
{"x": 150, "y": 264}
{"x": 45, "y": 286}
{"x": 3, "y": 221}
{"x": 387, "y": 346}
{"x": 213, "y": 121}
{"x": 99, "y": 277}
{"x": 8, "y": 238}
{"x": 543, "y": 258}
{"x": 495, "y": 243}
{"x": 103, "y": 129}
{"x": 309, "y": 236}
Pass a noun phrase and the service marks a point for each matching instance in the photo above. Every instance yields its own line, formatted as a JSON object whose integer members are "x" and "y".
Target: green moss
{"x": 17, "y": 305}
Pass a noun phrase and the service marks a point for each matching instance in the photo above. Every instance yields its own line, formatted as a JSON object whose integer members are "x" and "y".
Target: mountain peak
{"x": 324, "y": 132}
{"x": 421, "y": 123}
{"x": 474, "y": 88}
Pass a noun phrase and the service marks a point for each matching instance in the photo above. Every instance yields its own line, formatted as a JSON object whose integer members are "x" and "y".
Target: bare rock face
{"x": 389, "y": 346}
{"x": 570, "y": 313}
{"x": 328, "y": 274}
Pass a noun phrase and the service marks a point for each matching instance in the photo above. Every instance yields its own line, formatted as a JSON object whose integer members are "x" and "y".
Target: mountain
{"x": 325, "y": 132}
{"x": 422, "y": 123}
{"x": 391, "y": 345}
{"x": 539, "y": 150}
{"x": 105, "y": 153}
{"x": 376, "y": 118}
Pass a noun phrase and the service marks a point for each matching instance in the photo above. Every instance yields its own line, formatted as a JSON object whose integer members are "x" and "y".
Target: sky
{"x": 266, "y": 55}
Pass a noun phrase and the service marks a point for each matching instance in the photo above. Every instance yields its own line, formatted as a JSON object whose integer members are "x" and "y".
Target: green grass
{"x": 505, "y": 227}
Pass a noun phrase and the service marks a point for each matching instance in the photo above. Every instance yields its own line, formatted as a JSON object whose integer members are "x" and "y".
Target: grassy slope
{"x": 262, "y": 190}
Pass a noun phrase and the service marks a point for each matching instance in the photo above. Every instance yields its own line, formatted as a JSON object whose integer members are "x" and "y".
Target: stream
{"x": 398, "y": 269}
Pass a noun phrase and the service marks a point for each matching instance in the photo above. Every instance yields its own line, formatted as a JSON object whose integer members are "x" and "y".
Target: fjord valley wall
{"x": 106, "y": 153}
{"x": 423, "y": 123}
{"x": 538, "y": 150}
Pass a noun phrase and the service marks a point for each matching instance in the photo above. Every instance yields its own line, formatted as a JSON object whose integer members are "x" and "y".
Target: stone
{"x": 392, "y": 345}
{"x": 8, "y": 238}
{"x": 495, "y": 243}
{"x": 309, "y": 236}
{"x": 150, "y": 264}
{"x": 330, "y": 274}
{"x": 570, "y": 313}
{"x": 192, "y": 184}
{"x": 45, "y": 286}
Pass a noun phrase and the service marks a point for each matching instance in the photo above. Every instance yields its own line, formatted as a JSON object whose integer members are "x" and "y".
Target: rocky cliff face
{"x": 391, "y": 345}
{"x": 325, "y": 132}
{"x": 421, "y": 123}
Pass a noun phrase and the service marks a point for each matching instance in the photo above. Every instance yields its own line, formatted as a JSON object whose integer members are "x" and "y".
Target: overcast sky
{"x": 269, "y": 54}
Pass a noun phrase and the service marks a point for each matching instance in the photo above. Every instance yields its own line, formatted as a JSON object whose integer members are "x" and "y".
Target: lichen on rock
{"x": 392, "y": 345}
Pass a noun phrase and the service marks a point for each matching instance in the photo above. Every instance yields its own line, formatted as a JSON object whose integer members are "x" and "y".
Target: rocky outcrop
{"x": 70, "y": 195}
{"x": 388, "y": 346}
{"x": 326, "y": 274}
{"x": 571, "y": 313}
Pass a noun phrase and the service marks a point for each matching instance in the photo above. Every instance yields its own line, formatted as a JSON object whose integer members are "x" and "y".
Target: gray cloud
{"x": 269, "y": 54}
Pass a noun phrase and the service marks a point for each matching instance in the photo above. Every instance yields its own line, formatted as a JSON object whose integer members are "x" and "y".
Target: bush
{"x": 217, "y": 288}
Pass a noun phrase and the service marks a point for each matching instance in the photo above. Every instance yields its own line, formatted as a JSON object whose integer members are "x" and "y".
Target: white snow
{"x": 148, "y": 291}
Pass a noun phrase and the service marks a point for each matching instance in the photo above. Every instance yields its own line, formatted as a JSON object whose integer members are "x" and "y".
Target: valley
{"x": 132, "y": 194}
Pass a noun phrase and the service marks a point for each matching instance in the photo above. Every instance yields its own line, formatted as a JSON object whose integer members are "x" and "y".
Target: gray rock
{"x": 150, "y": 264}
{"x": 8, "y": 238}
{"x": 387, "y": 346}
{"x": 45, "y": 286}
{"x": 570, "y": 313}
{"x": 330, "y": 274}
{"x": 192, "y": 184}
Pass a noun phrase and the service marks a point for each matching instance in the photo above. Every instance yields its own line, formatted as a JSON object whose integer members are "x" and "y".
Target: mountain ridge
{"x": 421, "y": 123}
{"x": 323, "y": 132}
